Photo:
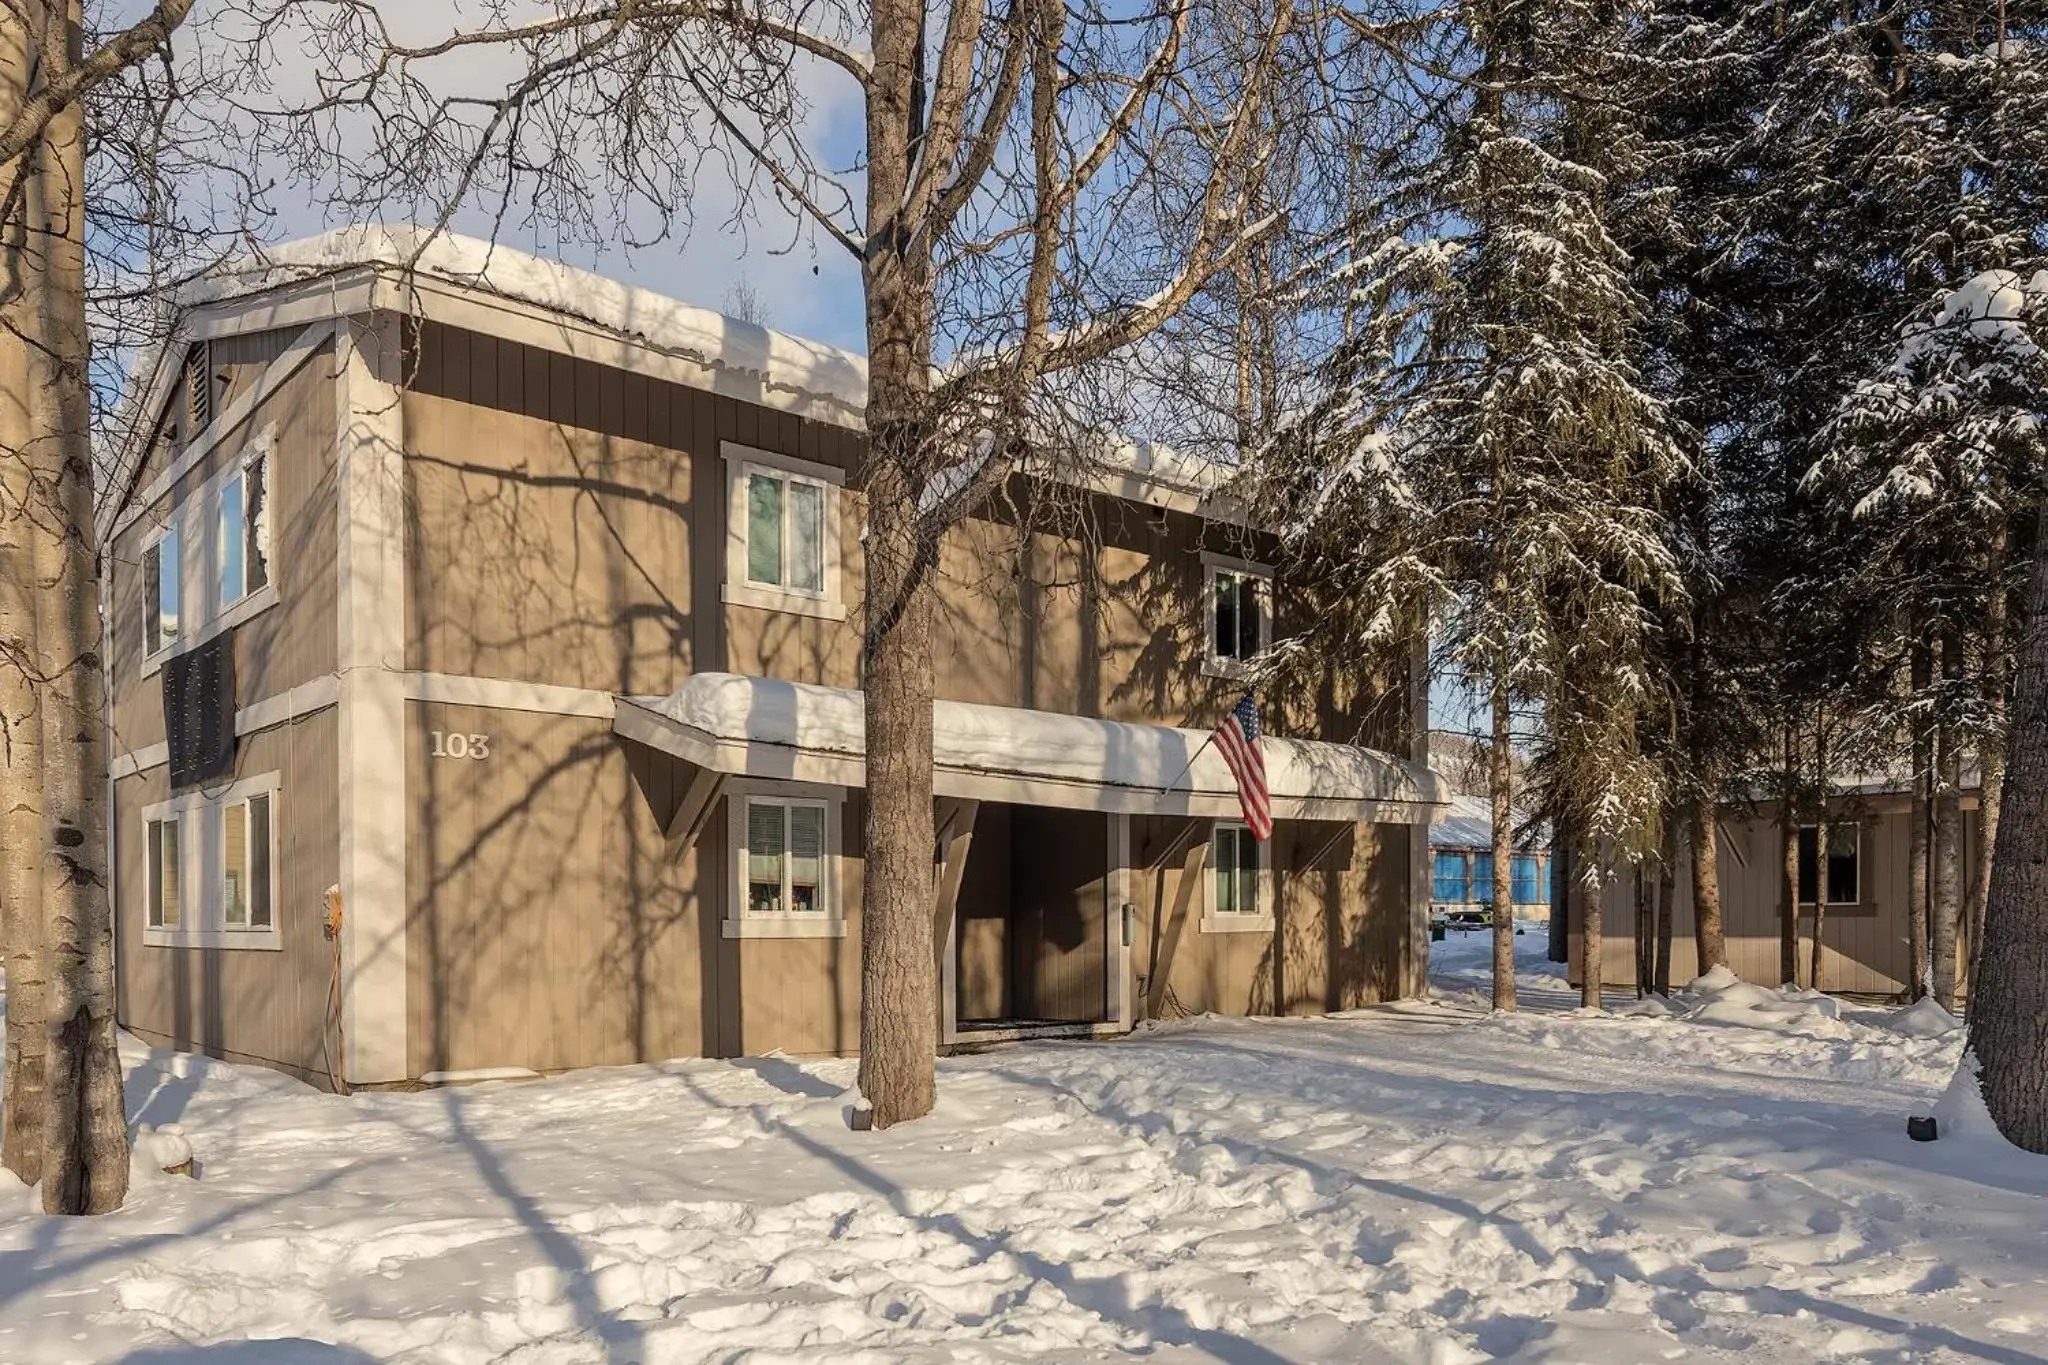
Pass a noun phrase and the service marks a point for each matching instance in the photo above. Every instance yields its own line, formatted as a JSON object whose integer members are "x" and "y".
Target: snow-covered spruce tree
{"x": 1942, "y": 458}
{"x": 1486, "y": 444}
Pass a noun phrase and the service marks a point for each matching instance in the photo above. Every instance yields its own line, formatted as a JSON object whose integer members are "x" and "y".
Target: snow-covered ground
{"x": 1409, "y": 1184}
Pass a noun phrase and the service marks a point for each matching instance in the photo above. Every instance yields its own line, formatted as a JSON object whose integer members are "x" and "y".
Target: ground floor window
{"x": 212, "y": 868}
{"x": 1238, "y": 897}
{"x": 786, "y": 850}
{"x": 1843, "y": 864}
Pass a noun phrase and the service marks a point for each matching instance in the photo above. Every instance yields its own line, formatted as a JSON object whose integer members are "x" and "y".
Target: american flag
{"x": 1237, "y": 739}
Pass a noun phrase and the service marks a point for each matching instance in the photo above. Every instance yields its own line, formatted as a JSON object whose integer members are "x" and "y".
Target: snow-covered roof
{"x": 1468, "y": 823}
{"x": 739, "y": 358}
{"x": 766, "y": 727}
{"x": 760, "y": 355}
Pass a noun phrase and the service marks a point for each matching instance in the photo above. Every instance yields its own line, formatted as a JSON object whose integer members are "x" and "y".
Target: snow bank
{"x": 1719, "y": 998}
{"x": 1925, "y": 1018}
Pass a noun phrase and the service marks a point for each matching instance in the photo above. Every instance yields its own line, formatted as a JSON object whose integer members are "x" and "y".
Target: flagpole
{"x": 1189, "y": 765}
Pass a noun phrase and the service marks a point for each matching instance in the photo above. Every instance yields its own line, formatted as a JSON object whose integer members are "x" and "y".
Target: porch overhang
{"x": 799, "y": 732}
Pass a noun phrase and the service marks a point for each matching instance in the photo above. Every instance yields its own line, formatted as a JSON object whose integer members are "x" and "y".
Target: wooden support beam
{"x": 955, "y": 842}
{"x": 1160, "y": 848}
{"x": 1164, "y": 944}
{"x": 687, "y": 821}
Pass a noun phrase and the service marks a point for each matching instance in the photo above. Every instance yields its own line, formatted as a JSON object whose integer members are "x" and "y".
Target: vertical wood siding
{"x": 269, "y": 1006}
{"x": 1864, "y": 947}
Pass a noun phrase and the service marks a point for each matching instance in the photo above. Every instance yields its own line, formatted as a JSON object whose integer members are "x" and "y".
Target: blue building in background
{"x": 1461, "y": 864}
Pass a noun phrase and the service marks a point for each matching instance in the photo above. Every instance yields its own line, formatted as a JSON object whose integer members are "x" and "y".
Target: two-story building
{"x": 483, "y": 649}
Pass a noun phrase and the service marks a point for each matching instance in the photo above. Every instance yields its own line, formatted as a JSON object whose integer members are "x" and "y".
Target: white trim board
{"x": 508, "y": 694}
{"x": 370, "y": 585}
{"x": 271, "y": 711}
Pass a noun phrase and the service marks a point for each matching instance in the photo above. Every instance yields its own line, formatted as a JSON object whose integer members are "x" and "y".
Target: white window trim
{"x": 739, "y": 462}
{"x": 197, "y": 516}
{"x": 1820, "y": 858}
{"x": 1216, "y": 921}
{"x": 1213, "y": 664}
{"x": 200, "y": 827}
{"x": 743, "y": 923}
{"x": 151, "y": 661}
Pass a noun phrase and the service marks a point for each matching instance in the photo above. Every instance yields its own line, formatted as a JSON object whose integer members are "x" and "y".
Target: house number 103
{"x": 455, "y": 744}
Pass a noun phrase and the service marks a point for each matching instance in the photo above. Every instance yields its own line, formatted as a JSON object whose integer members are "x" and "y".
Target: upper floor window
{"x": 212, "y": 868}
{"x": 1239, "y": 597}
{"x": 161, "y": 572}
{"x": 241, "y": 532}
{"x": 785, "y": 531}
{"x": 782, "y": 532}
{"x": 209, "y": 568}
{"x": 1844, "y": 850}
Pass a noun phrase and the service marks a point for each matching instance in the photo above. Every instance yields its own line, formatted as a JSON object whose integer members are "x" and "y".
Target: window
{"x": 1237, "y": 881}
{"x": 1447, "y": 877}
{"x": 241, "y": 533}
{"x": 245, "y": 863}
{"x": 1844, "y": 846}
{"x": 1240, "y": 598}
{"x": 222, "y": 528}
{"x": 213, "y": 868}
{"x": 1528, "y": 879}
{"x": 166, "y": 884}
{"x": 787, "y": 849}
{"x": 160, "y": 570}
{"x": 782, "y": 537}
{"x": 785, "y": 857}
{"x": 785, "y": 532}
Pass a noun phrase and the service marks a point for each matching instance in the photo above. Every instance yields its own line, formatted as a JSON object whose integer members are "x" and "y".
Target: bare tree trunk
{"x": 1991, "y": 751}
{"x": 1590, "y": 931}
{"x": 1667, "y": 903}
{"x": 85, "y": 1133}
{"x": 2009, "y": 1013}
{"x": 899, "y": 986}
{"x": 1499, "y": 777}
{"x": 21, "y": 739}
{"x": 1921, "y": 828}
{"x": 1948, "y": 839}
{"x": 1709, "y": 939}
{"x": 1788, "y": 852}
{"x": 1645, "y": 935}
{"x": 1822, "y": 833}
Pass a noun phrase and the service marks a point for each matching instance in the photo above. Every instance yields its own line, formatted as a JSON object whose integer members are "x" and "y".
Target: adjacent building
{"x": 1461, "y": 863}
{"x": 1863, "y": 884}
{"x": 483, "y": 650}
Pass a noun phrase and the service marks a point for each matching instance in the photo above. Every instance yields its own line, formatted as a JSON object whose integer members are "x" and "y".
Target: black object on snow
{"x": 1922, "y": 1128}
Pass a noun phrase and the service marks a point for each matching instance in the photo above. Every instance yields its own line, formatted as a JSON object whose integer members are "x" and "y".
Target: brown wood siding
{"x": 285, "y": 645}
{"x": 1863, "y": 949}
{"x": 982, "y": 932}
{"x": 240, "y": 361}
{"x": 545, "y": 927}
{"x": 1340, "y": 931}
{"x": 568, "y": 527}
{"x": 248, "y": 1002}
{"x": 801, "y": 995}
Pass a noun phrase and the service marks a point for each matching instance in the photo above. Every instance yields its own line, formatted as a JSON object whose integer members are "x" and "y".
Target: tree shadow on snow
{"x": 277, "y": 1351}
{"x": 1105, "y": 1298}
{"x": 790, "y": 1078}
{"x": 621, "y": 1340}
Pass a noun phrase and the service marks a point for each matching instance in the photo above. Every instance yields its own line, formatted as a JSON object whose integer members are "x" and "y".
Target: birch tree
{"x": 1038, "y": 187}
{"x": 66, "y": 1124}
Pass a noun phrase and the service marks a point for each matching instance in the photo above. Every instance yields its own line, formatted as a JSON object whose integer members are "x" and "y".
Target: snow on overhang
{"x": 801, "y": 732}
